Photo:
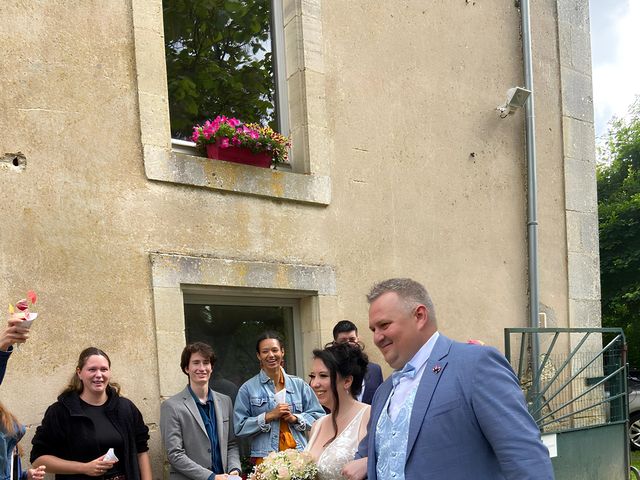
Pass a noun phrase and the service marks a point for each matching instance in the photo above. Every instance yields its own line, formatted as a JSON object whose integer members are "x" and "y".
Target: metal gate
{"x": 575, "y": 384}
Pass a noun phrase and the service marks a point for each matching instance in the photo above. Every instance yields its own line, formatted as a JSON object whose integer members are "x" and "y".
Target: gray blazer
{"x": 185, "y": 437}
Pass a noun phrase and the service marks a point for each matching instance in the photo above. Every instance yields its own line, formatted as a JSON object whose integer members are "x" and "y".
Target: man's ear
{"x": 422, "y": 316}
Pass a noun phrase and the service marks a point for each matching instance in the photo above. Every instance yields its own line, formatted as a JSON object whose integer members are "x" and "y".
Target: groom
{"x": 450, "y": 410}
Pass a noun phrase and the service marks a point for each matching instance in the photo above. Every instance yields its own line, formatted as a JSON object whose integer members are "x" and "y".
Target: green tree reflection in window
{"x": 232, "y": 331}
{"x": 219, "y": 61}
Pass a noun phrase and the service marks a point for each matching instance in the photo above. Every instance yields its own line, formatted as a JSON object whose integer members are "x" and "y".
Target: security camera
{"x": 516, "y": 98}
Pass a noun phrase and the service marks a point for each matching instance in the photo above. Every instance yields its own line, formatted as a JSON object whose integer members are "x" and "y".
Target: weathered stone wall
{"x": 403, "y": 169}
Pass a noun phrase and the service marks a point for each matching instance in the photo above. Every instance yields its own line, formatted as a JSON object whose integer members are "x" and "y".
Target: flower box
{"x": 231, "y": 140}
{"x": 238, "y": 155}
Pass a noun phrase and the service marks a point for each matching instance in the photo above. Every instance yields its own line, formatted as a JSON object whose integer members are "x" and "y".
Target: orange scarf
{"x": 286, "y": 440}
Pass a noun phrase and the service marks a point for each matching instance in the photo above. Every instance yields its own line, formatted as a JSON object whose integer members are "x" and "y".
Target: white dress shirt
{"x": 406, "y": 384}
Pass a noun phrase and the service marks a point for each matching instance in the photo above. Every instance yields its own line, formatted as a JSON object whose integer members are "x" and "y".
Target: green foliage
{"x": 218, "y": 61}
{"x": 618, "y": 177}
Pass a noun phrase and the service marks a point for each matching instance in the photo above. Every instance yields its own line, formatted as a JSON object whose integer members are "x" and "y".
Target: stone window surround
{"x": 172, "y": 275}
{"x": 309, "y": 179}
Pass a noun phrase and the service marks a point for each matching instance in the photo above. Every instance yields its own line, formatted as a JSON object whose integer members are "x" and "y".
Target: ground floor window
{"x": 231, "y": 325}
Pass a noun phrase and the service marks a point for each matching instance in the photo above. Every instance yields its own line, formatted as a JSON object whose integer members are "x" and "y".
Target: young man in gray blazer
{"x": 196, "y": 424}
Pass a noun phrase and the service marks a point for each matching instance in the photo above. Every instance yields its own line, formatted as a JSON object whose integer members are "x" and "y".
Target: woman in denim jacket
{"x": 11, "y": 431}
{"x": 274, "y": 409}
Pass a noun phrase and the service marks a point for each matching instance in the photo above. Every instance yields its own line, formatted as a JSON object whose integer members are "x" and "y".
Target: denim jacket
{"x": 256, "y": 397}
{"x": 7, "y": 448}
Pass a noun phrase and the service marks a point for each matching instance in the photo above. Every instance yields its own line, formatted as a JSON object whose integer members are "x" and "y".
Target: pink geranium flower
{"x": 231, "y": 132}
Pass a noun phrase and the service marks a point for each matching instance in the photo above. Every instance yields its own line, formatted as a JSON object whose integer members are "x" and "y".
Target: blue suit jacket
{"x": 469, "y": 420}
{"x": 372, "y": 380}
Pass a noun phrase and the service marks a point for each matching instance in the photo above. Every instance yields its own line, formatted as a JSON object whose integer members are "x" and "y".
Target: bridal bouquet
{"x": 286, "y": 465}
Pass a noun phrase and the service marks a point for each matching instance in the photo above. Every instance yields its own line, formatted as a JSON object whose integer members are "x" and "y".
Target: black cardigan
{"x": 67, "y": 433}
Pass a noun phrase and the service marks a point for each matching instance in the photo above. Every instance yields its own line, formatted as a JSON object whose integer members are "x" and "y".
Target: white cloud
{"x": 616, "y": 81}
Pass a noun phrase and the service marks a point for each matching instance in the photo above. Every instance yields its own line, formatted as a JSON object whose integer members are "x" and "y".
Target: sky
{"x": 615, "y": 51}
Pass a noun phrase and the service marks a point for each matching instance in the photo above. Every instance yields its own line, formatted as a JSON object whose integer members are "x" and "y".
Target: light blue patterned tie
{"x": 409, "y": 371}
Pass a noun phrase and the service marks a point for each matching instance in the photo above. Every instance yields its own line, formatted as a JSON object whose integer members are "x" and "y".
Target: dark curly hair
{"x": 346, "y": 360}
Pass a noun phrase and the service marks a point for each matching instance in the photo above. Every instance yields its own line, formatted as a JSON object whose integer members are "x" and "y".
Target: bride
{"x": 336, "y": 378}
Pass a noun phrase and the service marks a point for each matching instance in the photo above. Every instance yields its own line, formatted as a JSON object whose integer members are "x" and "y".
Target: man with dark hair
{"x": 450, "y": 410}
{"x": 197, "y": 423}
{"x": 347, "y": 332}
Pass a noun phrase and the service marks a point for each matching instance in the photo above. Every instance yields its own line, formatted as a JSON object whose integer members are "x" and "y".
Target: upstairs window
{"x": 223, "y": 58}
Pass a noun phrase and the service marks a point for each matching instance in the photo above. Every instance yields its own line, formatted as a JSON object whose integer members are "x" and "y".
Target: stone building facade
{"x": 401, "y": 166}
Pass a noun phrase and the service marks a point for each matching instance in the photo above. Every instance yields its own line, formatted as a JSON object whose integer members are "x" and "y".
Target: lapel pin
{"x": 436, "y": 369}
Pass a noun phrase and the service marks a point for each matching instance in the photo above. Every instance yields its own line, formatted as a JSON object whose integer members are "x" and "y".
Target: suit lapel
{"x": 428, "y": 384}
{"x": 222, "y": 438}
{"x": 190, "y": 404}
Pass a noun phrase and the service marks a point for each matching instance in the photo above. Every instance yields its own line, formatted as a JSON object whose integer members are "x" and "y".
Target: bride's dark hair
{"x": 346, "y": 360}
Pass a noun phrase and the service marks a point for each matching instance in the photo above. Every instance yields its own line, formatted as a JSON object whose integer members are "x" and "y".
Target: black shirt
{"x": 106, "y": 435}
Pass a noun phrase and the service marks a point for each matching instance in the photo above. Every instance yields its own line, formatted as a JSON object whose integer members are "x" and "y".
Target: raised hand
{"x": 13, "y": 333}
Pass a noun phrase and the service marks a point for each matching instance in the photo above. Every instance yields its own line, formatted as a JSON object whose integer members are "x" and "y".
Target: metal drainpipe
{"x": 532, "y": 200}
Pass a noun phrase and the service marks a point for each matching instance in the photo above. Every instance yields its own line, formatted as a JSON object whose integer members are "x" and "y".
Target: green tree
{"x": 219, "y": 62}
{"x": 618, "y": 177}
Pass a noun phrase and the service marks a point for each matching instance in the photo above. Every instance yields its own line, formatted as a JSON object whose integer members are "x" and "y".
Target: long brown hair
{"x": 8, "y": 423}
{"x": 75, "y": 384}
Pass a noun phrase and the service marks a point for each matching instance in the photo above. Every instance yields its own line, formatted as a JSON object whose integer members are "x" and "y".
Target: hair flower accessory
{"x": 22, "y": 307}
{"x": 288, "y": 464}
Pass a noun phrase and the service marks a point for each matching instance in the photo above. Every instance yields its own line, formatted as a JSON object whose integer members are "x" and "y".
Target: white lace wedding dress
{"x": 340, "y": 451}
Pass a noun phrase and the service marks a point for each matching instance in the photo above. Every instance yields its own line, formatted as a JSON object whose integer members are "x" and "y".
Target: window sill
{"x": 185, "y": 169}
